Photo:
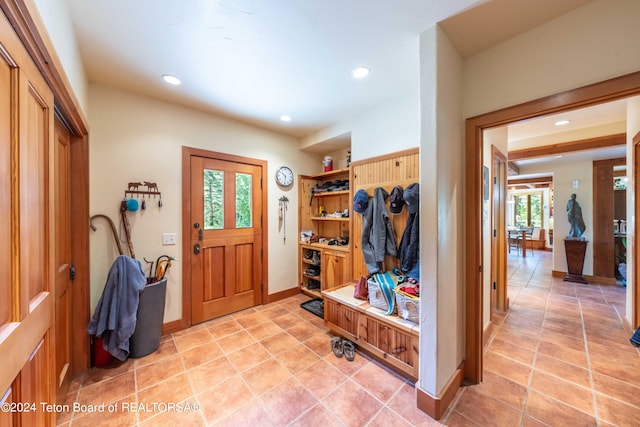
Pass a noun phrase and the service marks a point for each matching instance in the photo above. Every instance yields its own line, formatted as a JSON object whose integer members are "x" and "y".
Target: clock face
{"x": 284, "y": 176}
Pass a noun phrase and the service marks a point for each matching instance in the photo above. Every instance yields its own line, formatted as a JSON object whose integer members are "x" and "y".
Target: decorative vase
{"x": 575, "y": 251}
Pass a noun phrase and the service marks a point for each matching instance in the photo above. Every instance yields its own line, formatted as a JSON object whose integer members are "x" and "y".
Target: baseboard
{"x": 486, "y": 334}
{"x": 436, "y": 407}
{"x": 175, "y": 326}
{"x": 283, "y": 295}
{"x": 599, "y": 280}
{"x": 180, "y": 324}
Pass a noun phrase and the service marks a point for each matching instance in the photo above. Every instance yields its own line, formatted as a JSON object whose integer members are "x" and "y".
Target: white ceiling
{"x": 255, "y": 60}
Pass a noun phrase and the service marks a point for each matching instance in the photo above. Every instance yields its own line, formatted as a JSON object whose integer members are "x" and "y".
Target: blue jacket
{"x": 378, "y": 237}
{"x": 114, "y": 319}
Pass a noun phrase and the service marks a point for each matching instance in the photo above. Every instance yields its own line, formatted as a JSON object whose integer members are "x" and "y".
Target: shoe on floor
{"x": 336, "y": 346}
{"x": 349, "y": 350}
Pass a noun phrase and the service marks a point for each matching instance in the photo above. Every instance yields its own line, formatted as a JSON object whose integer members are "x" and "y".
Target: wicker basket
{"x": 408, "y": 306}
{"x": 376, "y": 298}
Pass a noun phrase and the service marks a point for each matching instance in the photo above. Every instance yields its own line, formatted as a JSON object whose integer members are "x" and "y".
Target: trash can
{"x": 146, "y": 337}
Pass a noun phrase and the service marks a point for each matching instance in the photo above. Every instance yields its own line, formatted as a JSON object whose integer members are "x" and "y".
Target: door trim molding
{"x": 499, "y": 247}
{"x": 635, "y": 251}
{"x": 608, "y": 90}
{"x": 187, "y": 152}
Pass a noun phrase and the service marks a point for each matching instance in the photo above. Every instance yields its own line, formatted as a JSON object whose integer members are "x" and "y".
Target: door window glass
{"x": 243, "y": 200}
{"x": 213, "y": 199}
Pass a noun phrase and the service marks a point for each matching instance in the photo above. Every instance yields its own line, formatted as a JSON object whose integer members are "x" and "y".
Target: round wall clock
{"x": 284, "y": 176}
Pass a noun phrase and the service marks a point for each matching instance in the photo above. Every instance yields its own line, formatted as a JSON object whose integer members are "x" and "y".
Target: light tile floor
{"x": 560, "y": 356}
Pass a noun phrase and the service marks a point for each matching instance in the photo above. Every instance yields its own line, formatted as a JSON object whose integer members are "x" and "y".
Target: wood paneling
{"x": 7, "y": 83}
{"x": 401, "y": 168}
{"x": 603, "y": 239}
{"x": 569, "y": 147}
{"x": 620, "y": 204}
{"x": 335, "y": 268}
{"x": 635, "y": 254}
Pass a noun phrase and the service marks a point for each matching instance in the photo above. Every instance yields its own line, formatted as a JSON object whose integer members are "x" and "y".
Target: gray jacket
{"x": 378, "y": 237}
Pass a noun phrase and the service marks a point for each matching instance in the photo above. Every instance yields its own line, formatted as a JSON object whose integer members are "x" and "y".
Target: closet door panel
{"x": 26, "y": 303}
{"x": 7, "y": 85}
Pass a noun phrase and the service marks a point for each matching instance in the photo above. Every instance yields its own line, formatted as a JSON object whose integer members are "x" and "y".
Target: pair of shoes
{"x": 343, "y": 347}
{"x": 312, "y": 271}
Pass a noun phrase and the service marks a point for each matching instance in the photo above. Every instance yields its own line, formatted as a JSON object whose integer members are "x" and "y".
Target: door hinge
{"x": 495, "y": 179}
{"x": 495, "y": 286}
{"x": 72, "y": 272}
{"x": 480, "y": 269}
{"x": 495, "y": 233}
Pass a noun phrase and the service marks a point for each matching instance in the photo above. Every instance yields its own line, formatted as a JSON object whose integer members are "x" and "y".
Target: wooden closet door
{"x": 26, "y": 302}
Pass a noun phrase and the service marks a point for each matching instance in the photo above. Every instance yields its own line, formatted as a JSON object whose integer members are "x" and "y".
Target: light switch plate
{"x": 168, "y": 238}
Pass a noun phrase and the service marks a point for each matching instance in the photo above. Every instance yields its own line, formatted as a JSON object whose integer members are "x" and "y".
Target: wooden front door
{"x": 62, "y": 255}
{"x": 226, "y": 236}
{"x": 26, "y": 241}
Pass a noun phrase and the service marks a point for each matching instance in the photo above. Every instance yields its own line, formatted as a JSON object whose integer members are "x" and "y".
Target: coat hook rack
{"x": 150, "y": 189}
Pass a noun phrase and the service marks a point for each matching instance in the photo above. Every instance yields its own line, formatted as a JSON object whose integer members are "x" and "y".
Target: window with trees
{"x": 528, "y": 209}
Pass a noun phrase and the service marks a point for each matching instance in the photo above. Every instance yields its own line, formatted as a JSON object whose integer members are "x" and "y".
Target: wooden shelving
{"x": 334, "y": 260}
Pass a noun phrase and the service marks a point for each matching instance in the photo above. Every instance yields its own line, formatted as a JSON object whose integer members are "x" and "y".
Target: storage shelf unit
{"x": 334, "y": 260}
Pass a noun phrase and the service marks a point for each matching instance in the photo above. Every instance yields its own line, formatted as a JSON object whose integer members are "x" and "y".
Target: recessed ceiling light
{"x": 172, "y": 80}
{"x": 285, "y": 118}
{"x": 562, "y": 122}
{"x": 558, "y": 156}
{"x": 360, "y": 72}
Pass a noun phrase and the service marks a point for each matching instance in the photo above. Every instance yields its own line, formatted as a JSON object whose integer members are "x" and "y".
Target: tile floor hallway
{"x": 560, "y": 356}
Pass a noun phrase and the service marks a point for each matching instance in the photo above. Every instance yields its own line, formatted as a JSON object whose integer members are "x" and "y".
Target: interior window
{"x": 528, "y": 209}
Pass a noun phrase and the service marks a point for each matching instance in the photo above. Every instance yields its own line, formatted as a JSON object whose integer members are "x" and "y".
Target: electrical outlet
{"x": 168, "y": 238}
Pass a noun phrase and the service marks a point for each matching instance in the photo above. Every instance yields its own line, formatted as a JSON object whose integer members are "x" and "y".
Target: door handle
{"x": 200, "y": 234}
{"x": 196, "y": 248}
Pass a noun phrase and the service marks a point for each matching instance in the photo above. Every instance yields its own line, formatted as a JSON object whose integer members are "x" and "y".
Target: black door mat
{"x": 315, "y": 306}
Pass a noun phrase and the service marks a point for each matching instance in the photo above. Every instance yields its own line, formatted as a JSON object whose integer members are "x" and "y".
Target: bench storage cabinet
{"x": 390, "y": 339}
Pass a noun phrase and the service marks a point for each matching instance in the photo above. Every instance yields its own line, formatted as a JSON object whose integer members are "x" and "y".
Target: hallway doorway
{"x": 617, "y": 88}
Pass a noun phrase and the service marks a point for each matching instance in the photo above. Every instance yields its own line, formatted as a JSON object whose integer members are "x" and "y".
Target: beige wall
{"x": 564, "y": 174}
{"x": 441, "y": 212}
{"x": 591, "y": 44}
{"x": 392, "y": 126}
{"x": 135, "y": 138}
{"x": 55, "y": 15}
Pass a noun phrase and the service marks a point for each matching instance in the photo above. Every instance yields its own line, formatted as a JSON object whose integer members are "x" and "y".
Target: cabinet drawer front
{"x": 392, "y": 342}
{"x": 341, "y": 316}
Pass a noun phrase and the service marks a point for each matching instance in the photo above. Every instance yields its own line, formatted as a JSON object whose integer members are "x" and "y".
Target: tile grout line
{"x": 186, "y": 372}
{"x": 535, "y": 354}
{"x": 589, "y": 367}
